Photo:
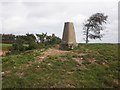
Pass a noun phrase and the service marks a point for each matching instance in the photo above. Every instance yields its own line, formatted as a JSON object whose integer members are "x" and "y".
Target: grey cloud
{"x": 37, "y": 17}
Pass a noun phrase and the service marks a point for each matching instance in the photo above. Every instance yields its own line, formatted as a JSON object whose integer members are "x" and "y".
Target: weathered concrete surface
{"x": 69, "y": 37}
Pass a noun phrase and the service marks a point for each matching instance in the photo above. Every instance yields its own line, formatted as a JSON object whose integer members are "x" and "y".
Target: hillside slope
{"x": 87, "y": 66}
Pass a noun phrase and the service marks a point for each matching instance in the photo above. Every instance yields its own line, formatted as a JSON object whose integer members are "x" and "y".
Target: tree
{"x": 18, "y": 45}
{"x": 52, "y": 40}
{"x": 7, "y": 38}
{"x": 24, "y": 42}
{"x": 31, "y": 41}
{"x": 94, "y": 25}
{"x": 42, "y": 37}
{"x": 47, "y": 41}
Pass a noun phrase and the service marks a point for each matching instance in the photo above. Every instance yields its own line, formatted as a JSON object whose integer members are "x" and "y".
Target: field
{"x": 87, "y": 66}
{"x": 5, "y": 46}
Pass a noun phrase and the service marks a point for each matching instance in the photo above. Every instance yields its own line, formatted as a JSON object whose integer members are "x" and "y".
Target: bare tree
{"x": 94, "y": 25}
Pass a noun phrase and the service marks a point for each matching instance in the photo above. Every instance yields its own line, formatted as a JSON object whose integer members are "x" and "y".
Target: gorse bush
{"x": 19, "y": 44}
{"x": 30, "y": 41}
{"x": 22, "y": 43}
{"x": 48, "y": 39}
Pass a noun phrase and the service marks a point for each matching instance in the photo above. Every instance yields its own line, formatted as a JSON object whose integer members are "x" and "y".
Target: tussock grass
{"x": 98, "y": 68}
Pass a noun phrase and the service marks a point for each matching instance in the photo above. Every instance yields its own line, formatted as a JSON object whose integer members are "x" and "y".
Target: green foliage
{"x": 32, "y": 45}
{"x": 24, "y": 42}
{"x": 42, "y": 37}
{"x": 94, "y": 25}
{"x": 16, "y": 60}
{"x": 18, "y": 45}
{"x": 52, "y": 40}
{"x": 30, "y": 41}
{"x": 47, "y": 41}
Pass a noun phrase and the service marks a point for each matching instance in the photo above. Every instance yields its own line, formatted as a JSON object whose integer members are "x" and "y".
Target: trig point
{"x": 69, "y": 37}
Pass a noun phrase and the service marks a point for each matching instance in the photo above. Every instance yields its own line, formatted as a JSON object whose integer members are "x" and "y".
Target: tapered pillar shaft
{"x": 69, "y": 37}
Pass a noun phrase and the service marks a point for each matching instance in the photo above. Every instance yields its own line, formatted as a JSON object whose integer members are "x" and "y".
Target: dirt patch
{"x": 79, "y": 60}
{"x": 3, "y": 53}
{"x": 45, "y": 54}
{"x": 51, "y": 52}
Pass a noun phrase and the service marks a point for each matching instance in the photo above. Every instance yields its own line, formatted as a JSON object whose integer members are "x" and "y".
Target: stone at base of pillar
{"x": 68, "y": 46}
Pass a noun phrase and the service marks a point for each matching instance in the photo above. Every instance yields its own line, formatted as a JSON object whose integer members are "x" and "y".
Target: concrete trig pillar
{"x": 69, "y": 37}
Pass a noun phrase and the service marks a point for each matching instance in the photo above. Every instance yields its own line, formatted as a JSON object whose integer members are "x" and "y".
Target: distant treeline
{"x": 11, "y": 38}
{"x": 7, "y": 38}
{"x": 30, "y": 41}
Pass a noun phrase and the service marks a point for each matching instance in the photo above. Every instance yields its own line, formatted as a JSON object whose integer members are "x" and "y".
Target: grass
{"x": 63, "y": 71}
{"x": 5, "y": 46}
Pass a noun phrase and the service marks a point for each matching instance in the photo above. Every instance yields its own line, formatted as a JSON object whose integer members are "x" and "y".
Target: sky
{"x": 37, "y": 16}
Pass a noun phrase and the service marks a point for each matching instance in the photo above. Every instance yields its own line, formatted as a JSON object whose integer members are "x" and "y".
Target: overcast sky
{"x": 36, "y": 16}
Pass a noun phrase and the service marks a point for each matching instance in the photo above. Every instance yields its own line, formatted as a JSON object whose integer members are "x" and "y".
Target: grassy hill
{"x": 87, "y": 66}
